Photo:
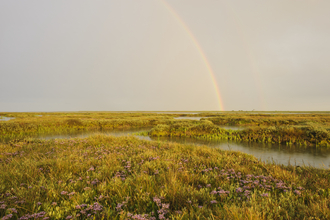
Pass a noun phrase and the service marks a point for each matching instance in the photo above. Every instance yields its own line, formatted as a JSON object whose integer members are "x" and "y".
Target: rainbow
{"x": 200, "y": 50}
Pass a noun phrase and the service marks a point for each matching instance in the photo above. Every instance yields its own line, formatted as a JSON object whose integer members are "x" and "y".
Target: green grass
{"x": 122, "y": 176}
{"x": 104, "y": 177}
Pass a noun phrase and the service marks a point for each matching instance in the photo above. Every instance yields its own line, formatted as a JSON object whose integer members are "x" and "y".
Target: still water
{"x": 6, "y": 118}
{"x": 189, "y": 118}
{"x": 280, "y": 154}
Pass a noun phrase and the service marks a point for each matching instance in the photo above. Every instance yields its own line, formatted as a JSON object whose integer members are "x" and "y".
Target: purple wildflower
{"x": 97, "y": 207}
{"x": 157, "y": 200}
{"x": 264, "y": 195}
{"x": 297, "y": 192}
{"x": 213, "y": 202}
{"x": 239, "y": 190}
{"x": 222, "y": 192}
{"x": 7, "y": 217}
{"x": 213, "y": 192}
{"x": 71, "y": 193}
{"x": 13, "y": 210}
{"x": 91, "y": 169}
{"x": 247, "y": 192}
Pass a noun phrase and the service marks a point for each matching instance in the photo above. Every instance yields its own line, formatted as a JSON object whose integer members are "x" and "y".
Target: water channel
{"x": 280, "y": 154}
{"x": 5, "y": 118}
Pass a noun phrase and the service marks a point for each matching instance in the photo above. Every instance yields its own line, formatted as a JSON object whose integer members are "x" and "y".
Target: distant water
{"x": 179, "y": 113}
{"x": 280, "y": 154}
{"x": 189, "y": 118}
{"x": 6, "y": 118}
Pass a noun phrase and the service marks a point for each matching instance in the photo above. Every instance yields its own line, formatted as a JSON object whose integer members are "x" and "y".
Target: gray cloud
{"x": 135, "y": 55}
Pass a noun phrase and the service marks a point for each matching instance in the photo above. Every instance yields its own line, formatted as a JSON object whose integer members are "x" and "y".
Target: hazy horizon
{"x": 156, "y": 55}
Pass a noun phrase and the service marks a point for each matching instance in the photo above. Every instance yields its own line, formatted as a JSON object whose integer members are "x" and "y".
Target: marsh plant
{"x": 298, "y": 129}
{"x": 300, "y": 136}
{"x": 104, "y": 177}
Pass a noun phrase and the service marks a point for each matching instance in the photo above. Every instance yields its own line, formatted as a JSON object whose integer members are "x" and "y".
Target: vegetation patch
{"x": 301, "y": 136}
{"x": 104, "y": 177}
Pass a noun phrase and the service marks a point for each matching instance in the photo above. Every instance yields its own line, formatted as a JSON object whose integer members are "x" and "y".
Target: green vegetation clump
{"x": 104, "y": 177}
{"x": 306, "y": 136}
{"x": 270, "y": 119}
{"x": 27, "y": 125}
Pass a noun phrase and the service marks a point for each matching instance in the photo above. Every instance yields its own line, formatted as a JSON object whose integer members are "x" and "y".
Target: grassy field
{"x": 300, "y": 129}
{"x": 104, "y": 177}
{"x": 126, "y": 178}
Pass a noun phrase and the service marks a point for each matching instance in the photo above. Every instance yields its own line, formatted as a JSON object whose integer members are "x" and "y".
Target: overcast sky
{"x": 136, "y": 55}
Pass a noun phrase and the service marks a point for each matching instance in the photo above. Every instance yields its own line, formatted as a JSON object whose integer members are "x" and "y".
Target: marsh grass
{"x": 104, "y": 177}
{"x": 28, "y": 125}
{"x": 298, "y": 129}
{"x": 300, "y": 136}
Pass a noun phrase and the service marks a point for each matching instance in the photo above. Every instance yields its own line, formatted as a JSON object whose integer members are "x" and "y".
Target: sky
{"x": 164, "y": 55}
